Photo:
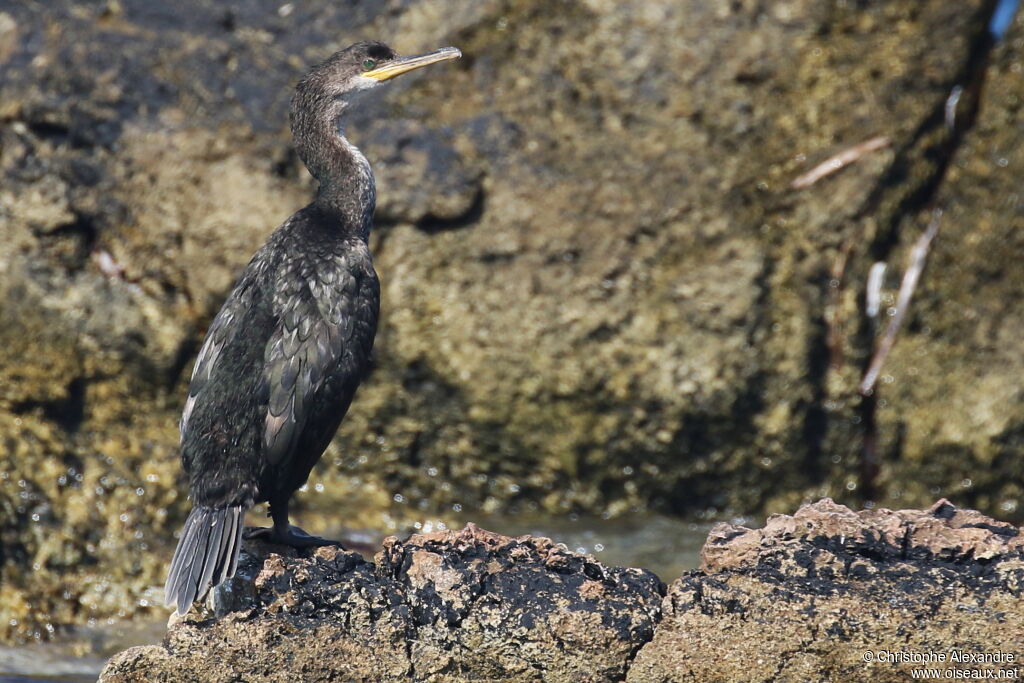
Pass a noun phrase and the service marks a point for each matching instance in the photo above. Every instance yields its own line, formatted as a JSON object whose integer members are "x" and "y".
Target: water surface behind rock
{"x": 77, "y": 656}
{"x": 666, "y": 546}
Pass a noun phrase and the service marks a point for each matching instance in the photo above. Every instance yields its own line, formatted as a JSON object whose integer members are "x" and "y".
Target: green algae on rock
{"x": 954, "y": 399}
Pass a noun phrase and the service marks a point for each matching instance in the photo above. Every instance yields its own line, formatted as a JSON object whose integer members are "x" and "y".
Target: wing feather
{"x": 325, "y": 309}
{"x": 217, "y": 338}
{"x": 316, "y": 311}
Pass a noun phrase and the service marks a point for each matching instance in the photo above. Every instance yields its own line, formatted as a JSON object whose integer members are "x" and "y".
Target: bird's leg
{"x": 284, "y": 533}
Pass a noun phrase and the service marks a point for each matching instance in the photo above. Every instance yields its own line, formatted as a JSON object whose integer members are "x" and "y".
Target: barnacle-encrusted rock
{"x": 829, "y": 594}
{"x": 450, "y": 606}
{"x": 826, "y": 594}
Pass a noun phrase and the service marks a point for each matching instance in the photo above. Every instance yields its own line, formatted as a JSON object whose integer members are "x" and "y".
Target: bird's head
{"x": 330, "y": 86}
{"x": 322, "y": 96}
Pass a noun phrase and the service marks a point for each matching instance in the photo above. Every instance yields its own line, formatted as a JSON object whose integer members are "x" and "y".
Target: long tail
{"x": 206, "y": 555}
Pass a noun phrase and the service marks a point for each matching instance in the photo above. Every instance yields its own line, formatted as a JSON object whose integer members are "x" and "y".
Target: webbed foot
{"x": 291, "y": 536}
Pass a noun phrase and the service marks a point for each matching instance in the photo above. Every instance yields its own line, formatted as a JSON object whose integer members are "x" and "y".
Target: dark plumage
{"x": 285, "y": 354}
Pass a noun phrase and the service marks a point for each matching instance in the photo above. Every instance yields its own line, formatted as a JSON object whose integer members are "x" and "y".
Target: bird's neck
{"x": 347, "y": 188}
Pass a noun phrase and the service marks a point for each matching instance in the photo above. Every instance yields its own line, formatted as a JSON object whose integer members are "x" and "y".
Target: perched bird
{"x": 283, "y": 357}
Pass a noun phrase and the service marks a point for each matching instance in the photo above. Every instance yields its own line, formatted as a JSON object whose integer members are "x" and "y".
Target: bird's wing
{"x": 320, "y": 318}
{"x": 217, "y": 337}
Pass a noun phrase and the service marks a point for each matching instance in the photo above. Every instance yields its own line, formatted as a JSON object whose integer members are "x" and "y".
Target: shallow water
{"x": 76, "y": 656}
{"x": 666, "y": 546}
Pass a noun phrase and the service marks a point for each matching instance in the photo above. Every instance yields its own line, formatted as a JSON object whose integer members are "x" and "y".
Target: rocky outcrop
{"x": 829, "y": 594}
{"x": 600, "y": 291}
{"x": 447, "y": 606}
{"x": 825, "y": 594}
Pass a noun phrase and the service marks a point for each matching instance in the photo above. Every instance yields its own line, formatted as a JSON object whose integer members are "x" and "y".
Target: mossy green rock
{"x": 599, "y": 291}
{"x": 954, "y": 413}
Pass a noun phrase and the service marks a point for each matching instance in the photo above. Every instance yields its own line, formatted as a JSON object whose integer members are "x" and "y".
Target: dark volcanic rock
{"x": 808, "y": 595}
{"x": 323, "y": 617}
{"x": 452, "y": 606}
{"x": 487, "y": 607}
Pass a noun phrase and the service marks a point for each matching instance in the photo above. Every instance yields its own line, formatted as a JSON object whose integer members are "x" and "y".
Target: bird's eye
{"x": 369, "y": 64}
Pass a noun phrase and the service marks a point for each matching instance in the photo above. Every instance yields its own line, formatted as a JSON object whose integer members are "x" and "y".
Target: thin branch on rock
{"x": 918, "y": 256}
{"x": 839, "y": 161}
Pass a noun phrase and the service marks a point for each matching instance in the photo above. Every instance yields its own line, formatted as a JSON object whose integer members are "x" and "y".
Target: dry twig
{"x": 839, "y": 161}
{"x": 918, "y": 255}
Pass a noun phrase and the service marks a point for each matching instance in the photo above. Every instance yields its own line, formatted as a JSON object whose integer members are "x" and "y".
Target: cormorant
{"x": 283, "y": 357}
